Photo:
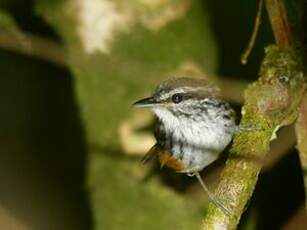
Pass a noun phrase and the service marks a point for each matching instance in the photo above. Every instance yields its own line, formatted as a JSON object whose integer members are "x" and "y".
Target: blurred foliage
{"x": 114, "y": 80}
{"x": 106, "y": 85}
{"x": 6, "y": 20}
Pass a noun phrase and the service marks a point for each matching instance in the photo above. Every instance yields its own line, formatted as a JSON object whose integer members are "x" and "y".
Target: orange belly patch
{"x": 166, "y": 159}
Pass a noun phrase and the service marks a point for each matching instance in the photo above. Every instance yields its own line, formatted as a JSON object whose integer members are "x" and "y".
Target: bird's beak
{"x": 145, "y": 103}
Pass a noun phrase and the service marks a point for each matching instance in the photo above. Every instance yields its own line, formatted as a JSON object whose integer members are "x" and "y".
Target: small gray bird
{"x": 194, "y": 126}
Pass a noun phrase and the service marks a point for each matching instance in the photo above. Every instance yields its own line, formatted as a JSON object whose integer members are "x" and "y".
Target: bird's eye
{"x": 176, "y": 98}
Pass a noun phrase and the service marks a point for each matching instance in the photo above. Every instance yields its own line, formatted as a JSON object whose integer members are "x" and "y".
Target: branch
{"x": 15, "y": 40}
{"x": 232, "y": 89}
{"x": 48, "y": 50}
{"x": 301, "y": 133}
{"x": 280, "y": 147}
{"x": 270, "y": 103}
{"x": 279, "y": 22}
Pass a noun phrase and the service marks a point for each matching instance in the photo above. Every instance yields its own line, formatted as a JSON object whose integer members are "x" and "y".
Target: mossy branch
{"x": 270, "y": 103}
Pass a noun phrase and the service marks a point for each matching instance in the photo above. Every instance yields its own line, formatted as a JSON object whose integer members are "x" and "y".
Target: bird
{"x": 195, "y": 124}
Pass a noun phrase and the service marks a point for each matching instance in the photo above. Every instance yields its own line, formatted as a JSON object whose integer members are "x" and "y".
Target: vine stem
{"x": 252, "y": 41}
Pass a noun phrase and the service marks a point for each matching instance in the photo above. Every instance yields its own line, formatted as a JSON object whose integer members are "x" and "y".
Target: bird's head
{"x": 179, "y": 97}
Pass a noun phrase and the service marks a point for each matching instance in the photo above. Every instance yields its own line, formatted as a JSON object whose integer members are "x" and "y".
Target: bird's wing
{"x": 165, "y": 158}
{"x": 153, "y": 152}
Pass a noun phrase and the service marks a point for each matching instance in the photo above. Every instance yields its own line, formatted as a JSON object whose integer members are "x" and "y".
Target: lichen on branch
{"x": 270, "y": 103}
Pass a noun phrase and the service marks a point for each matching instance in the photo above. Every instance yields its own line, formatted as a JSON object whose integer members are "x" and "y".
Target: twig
{"x": 251, "y": 43}
{"x": 15, "y": 40}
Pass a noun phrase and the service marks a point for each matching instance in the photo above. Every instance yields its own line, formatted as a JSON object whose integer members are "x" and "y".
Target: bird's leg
{"x": 212, "y": 197}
